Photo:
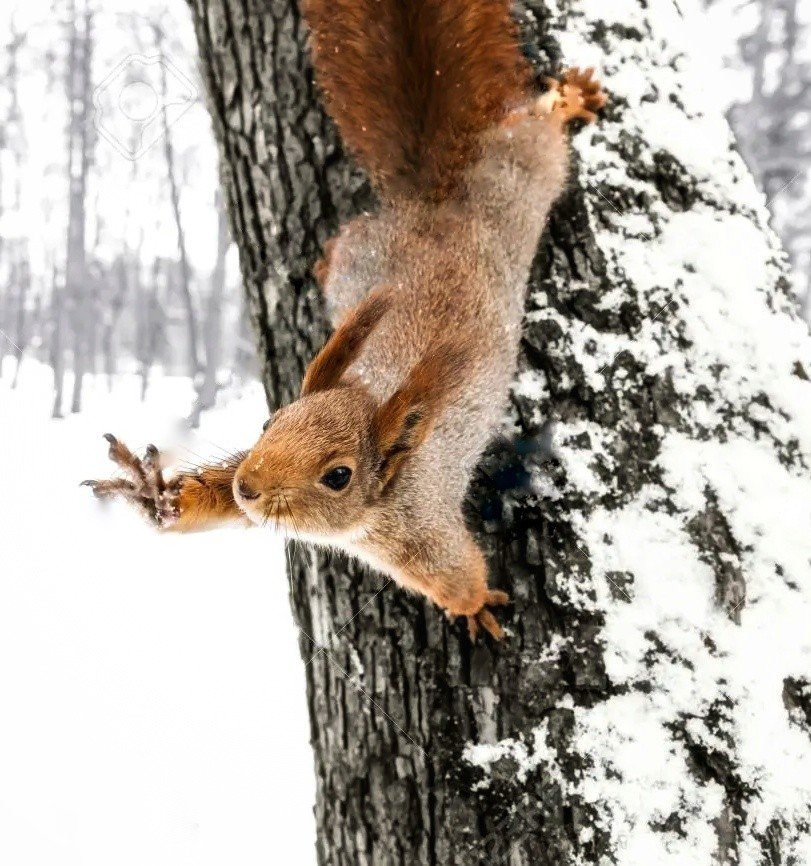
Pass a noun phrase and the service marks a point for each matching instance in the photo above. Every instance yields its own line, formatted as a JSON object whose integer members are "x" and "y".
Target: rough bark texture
{"x": 398, "y": 697}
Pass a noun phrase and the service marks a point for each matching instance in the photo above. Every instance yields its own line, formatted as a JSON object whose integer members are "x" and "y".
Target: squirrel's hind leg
{"x": 458, "y": 584}
{"x": 575, "y": 96}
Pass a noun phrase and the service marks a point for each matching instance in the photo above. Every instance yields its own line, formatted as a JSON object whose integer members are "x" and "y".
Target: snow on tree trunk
{"x": 648, "y": 506}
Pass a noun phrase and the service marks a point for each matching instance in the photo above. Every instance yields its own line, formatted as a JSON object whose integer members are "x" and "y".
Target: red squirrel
{"x": 437, "y": 104}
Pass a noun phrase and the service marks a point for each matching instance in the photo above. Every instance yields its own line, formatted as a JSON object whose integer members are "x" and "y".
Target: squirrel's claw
{"x": 109, "y": 488}
{"x": 485, "y": 618}
{"x": 487, "y": 621}
{"x": 578, "y": 95}
{"x": 125, "y": 459}
{"x": 145, "y": 488}
{"x": 497, "y": 598}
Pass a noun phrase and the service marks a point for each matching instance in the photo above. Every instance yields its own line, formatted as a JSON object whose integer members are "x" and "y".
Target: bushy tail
{"x": 413, "y": 83}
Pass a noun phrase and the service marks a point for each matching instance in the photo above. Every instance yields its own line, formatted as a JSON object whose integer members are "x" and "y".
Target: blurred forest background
{"x": 114, "y": 251}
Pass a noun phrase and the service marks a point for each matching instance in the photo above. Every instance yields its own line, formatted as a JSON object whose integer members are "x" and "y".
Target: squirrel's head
{"x": 324, "y": 461}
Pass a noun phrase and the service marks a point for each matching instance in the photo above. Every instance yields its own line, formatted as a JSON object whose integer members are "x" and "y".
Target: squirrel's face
{"x": 324, "y": 461}
{"x": 314, "y": 469}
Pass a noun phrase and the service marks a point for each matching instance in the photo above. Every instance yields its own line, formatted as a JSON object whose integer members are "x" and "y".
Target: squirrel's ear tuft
{"x": 343, "y": 347}
{"x": 404, "y": 421}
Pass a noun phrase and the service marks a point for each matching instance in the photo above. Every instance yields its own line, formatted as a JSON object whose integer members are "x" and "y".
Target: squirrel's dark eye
{"x": 266, "y": 424}
{"x": 337, "y": 478}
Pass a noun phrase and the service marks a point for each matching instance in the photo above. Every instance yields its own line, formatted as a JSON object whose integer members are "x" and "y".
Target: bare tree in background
{"x": 20, "y": 277}
{"x": 429, "y": 750}
{"x": 151, "y": 325}
{"x": 118, "y": 291}
{"x": 11, "y": 129}
{"x": 79, "y": 88}
{"x": 76, "y": 306}
{"x": 212, "y": 326}
{"x": 174, "y": 198}
{"x": 56, "y": 339}
{"x": 13, "y": 252}
{"x": 774, "y": 126}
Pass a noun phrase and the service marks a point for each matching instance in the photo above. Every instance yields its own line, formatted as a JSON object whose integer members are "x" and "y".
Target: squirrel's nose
{"x": 245, "y": 490}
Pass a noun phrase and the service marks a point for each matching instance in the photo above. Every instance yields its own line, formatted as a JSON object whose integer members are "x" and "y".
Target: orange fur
{"x": 207, "y": 498}
{"x": 344, "y": 346}
{"x": 577, "y": 96}
{"x": 412, "y": 84}
{"x": 404, "y": 421}
{"x": 322, "y": 267}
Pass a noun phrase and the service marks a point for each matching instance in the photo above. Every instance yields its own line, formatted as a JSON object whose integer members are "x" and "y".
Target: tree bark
{"x": 651, "y": 407}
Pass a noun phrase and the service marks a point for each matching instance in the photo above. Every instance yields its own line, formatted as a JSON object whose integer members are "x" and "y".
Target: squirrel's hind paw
{"x": 485, "y": 618}
{"x": 578, "y": 95}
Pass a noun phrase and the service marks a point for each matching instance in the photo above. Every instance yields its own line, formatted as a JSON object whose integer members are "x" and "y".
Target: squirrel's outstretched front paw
{"x": 577, "y": 95}
{"x": 144, "y": 486}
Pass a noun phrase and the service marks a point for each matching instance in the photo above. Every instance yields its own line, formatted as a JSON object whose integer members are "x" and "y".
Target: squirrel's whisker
{"x": 203, "y": 461}
{"x": 239, "y": 456}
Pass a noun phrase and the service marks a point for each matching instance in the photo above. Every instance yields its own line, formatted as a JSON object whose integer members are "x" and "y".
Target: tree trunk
{"x": 118, "y": 288}
{"x": 653, "y": 473}
{"x": 21, "y": 275}
{"x": 151, "y": 329}
{"x": 57, "y": 339}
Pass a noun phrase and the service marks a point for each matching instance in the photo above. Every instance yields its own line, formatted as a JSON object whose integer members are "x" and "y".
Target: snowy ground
{"x": 152, "y": 707}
